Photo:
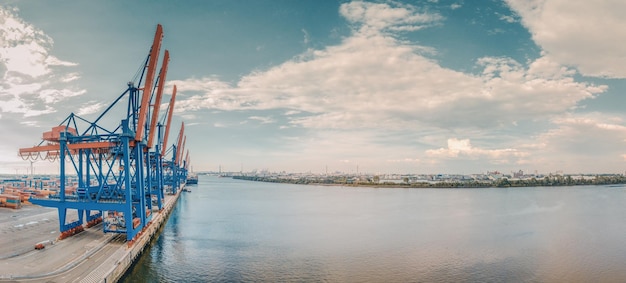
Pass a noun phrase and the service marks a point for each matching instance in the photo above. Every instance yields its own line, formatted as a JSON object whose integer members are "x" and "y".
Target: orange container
{"x": 8, "y": 196}
{"x": 12, "y": 205}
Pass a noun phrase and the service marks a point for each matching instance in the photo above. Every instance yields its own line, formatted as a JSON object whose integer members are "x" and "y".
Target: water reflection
{"x": 233, "y": 231}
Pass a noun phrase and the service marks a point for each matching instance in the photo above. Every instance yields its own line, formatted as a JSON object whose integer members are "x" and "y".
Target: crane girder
{"x": 72, "y": 146}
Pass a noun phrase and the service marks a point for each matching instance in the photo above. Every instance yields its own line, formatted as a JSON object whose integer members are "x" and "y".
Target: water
{"x": 230, "y": 231}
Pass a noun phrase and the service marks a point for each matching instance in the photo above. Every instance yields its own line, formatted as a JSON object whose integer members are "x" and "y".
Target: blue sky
{"x": 301, "y": 86}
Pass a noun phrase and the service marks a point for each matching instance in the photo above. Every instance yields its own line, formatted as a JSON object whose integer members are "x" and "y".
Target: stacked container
{"x": 10, "y": 201}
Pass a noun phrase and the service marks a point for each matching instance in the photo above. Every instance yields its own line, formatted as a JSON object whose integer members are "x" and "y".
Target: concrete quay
{"x": 90, "y": 256}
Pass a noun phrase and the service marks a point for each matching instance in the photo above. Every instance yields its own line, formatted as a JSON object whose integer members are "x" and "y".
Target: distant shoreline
{"x": 548, "y": 181}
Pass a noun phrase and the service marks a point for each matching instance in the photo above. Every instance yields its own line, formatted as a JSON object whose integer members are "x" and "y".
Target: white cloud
{"x": 343, "y": 150}
{"x": 463, "y": 149}
{"x": 292, "y": 112}
{"x": 188, "y": 116}
{"x": 584, "y": 34}
{"x": 27, "y": 59}
{"x": 262, "y": 120}
{"x": 404, "y": 160}
{"x": 371, "y": 81}
{"x": 50, "y": 96}
{"x": 307, "y": 37}
{"x": 70, "y": 77}
{"x": 33, "y": 113}
{"x": 593, "y": 143}
{"x": 577, "y": 143}
{"x": 54, "y": 61}
{"x": 30, "y": 123}
{"x": 507, "y": 18}
{"x": 373, "y": 84}
{"x": 586, "y": 134}
{"x": 90, "y": 108}
{"x": 27, "y": 69}
{"x": 376, "y": 17}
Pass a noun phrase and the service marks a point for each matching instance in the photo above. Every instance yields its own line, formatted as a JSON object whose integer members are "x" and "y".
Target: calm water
{"x": 230, "y": 231}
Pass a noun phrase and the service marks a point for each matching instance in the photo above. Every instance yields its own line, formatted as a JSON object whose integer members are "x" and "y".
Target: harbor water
{"x": 241, "y": 231}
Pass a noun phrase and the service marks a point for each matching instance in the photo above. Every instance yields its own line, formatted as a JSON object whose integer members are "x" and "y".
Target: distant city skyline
{"x": 424, "y": 87}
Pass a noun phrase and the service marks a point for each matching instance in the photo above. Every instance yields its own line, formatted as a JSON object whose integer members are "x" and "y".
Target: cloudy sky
{"x": 432, "y": 86}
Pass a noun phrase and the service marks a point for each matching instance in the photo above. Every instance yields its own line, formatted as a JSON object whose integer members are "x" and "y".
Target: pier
{"x": 90, "y": 256}
{"x": 118, "y": 181}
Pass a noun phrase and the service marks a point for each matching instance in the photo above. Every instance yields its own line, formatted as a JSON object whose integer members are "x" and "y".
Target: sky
{"x": 422, "y": 86}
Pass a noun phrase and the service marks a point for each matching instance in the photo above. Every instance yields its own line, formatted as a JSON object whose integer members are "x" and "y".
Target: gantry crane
{"x": 175, "y": 171}
{"x": 120, "y": 173}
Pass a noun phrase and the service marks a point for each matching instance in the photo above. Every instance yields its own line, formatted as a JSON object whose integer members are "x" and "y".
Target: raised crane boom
{"x": 112, "y": 174}
{"x": 157, "y": 103}
{"x": 180, "y": 142}
{"x": 169, "y": 121}
{"x": 187, "y": 160}
{"x": 182, "y": 149}
{"x": 147, "y": 89}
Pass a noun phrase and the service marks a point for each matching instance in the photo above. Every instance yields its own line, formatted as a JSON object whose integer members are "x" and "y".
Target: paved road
{"x": 61, "y": 261}
{"x": 75, "y": 259}
{"x": 21, "y": 229}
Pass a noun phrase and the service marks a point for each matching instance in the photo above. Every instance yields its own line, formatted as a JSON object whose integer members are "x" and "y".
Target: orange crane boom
{"x": 157, "y": 103}
{"x": 180, "y": 141}
{"x": 147, "y": 87}
{"x": 182, "y": 149}
{"x": 169, "y": 121}
{"x": 187, "y": 160}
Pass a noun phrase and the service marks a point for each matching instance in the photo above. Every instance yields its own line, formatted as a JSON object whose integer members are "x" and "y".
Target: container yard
{"x": 89, "y": 256}
{"x": 15, "y": 192}
{"x": 115, "y": 187}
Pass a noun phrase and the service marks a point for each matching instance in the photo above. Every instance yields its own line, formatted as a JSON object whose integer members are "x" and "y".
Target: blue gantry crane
{"x": 118, "y": 174}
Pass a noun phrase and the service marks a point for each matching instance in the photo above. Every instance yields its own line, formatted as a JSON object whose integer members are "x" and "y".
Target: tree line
{"x": 547, "y": 181}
